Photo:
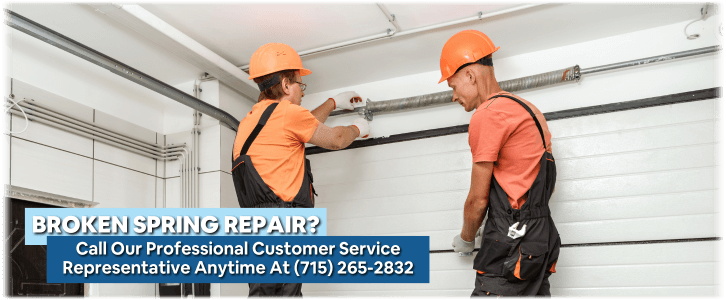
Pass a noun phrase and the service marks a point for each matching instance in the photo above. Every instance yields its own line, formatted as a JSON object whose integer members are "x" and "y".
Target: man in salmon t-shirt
{"x": 513, "y": 175}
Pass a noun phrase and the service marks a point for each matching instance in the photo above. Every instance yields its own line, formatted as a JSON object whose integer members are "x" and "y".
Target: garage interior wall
{"x": 638, "y": 175}
{"x": 85, "y": 169}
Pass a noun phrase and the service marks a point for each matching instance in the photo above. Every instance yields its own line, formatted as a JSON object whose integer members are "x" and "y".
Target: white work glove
{"x": 362, "y": 125}
{"x": 461, "y": 246}
{"x": 345, "y": 100}
{"x": 514, "y": 233}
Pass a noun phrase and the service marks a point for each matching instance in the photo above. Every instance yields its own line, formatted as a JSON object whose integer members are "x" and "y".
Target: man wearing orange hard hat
{"x": 512, "y": 176}
{"x": 269, "y": 168}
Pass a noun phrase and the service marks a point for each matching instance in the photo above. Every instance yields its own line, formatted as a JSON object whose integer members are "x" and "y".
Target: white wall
{"x": 51, "y": 160}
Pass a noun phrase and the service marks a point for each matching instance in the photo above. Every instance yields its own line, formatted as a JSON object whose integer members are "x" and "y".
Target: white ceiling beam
{"x": 152, "y": 27}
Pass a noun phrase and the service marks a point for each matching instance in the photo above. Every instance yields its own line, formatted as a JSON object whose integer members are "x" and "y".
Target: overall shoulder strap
{"x": 261, "y": 123}
{"x": 531, "y": 113}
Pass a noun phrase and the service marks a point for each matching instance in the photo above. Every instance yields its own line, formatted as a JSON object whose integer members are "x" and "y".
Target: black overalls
{"x": 252, "y": 192}
{"x": 519, "y": 266}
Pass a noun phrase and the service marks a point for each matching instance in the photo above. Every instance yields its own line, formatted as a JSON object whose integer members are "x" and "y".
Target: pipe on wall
{"x": 64, "y": 43}
{"x": 59, "y": 124}
{"x": 397, "y": 31}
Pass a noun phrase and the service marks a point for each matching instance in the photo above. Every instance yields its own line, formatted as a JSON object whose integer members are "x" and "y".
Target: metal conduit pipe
{"x": 91, "y": 132}
{"x": 545, "y": 79}
{"x": 652, "y": 59}
{"x": 181, "y": 185}
{"x": 91, "y": 136}
{"x": 187, "y": 178}
{"x": 397, "y": 31}
{"x": 196, "y": 162}
{"x": 56, "y": 39}
{"x": 149, "y": 146}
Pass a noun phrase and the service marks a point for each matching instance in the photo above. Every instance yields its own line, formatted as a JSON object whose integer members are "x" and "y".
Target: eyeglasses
{"x": 302, "y": 86}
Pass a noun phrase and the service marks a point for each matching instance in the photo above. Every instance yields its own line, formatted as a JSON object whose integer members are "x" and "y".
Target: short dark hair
{"x": 275, "y": 92}
{"x": 485, "y": 61}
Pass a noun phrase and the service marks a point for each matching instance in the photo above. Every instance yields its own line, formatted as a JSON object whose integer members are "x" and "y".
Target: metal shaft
{"x": 652, "y": 59}
{"x": 56, "y": 39}
{"x": 518, "y": 84}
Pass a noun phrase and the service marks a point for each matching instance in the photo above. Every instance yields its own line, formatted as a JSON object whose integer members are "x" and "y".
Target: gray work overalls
{"x": 522, "y": 266}
{"x": 253, "y": 192}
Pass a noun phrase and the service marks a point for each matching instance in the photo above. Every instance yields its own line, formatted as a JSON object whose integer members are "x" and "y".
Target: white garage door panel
{"x": 685, "y": 180}
{"x": 386, "y": 206}
{"x": 448, "y": 224}
{"x": 672, "y": 291}
{"x": 632, "y": 140}
{"x": 630, "y": 119}
{"x": 396, "y": 293}
{"x": 653, "y": 291}
{"x": 411, "y": 185}
{"x": 656, "y": 205}
{"x": 348, "y": 158}
{"x": 573, "y": 168}
{"x": 638, "y": 175}
{"x": 682, "y": 274}
{"x": 678, "y": 227}
{"x": 438, "y": 162}
{"x": 452, "y": 275}
{"x": 401, "y": 224}
{"x": 636, "y": 162}
{"x": 49, "y": 170}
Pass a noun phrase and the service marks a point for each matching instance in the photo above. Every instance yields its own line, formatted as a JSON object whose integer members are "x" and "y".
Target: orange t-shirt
{"x": 503, "y": 132}
{"x": 279, "y": 149}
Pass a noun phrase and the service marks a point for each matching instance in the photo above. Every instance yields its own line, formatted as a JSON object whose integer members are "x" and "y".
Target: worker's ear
{"x": 469, "y": 75}
{"x": 285, "y": 83}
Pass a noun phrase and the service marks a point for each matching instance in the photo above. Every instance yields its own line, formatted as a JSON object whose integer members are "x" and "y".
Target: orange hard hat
{"x": 274, "y": 57}
{"x": 467, "y": 46}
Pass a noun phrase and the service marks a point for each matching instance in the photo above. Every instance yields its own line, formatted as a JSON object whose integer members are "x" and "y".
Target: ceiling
{"x": 234, "y": 31}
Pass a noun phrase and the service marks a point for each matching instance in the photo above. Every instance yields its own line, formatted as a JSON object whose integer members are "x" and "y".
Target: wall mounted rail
{"x": 545, "y": 79}
{"x": 44, "y": 115}
{"x": 58, "y": 40}
{"x": 188, "y": 159}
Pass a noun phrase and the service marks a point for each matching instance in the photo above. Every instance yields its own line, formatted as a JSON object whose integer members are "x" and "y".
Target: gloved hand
{"x": 345, "y": 100}
{"x": 362, "y": 125}
{"x": 461, "y": 246}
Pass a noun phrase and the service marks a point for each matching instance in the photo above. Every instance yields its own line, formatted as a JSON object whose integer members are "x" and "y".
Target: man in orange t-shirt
{"x": 269, "y": 166}
{"x": 510, "y": 143}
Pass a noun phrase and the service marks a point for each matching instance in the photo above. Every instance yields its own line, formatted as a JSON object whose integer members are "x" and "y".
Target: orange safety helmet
{"x": 274, "y": 57}
{"x": 467, "y": 46}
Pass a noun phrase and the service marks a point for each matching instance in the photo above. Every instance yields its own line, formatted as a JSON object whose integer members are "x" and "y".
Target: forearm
{"x": 473, "y": 216}
{"x": 323, "y": 111}
{"x": 345, "y": 135}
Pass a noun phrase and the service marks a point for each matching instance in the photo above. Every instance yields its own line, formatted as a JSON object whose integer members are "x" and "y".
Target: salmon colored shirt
{"x": 279, "y": 150}
{"x": 503, "y": 132}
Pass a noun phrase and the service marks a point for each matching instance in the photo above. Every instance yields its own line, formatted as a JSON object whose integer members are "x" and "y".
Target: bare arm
{"x": 323, "y": 111}
{"x": 477, "y": 200}
{"x": 335, "y": 138}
